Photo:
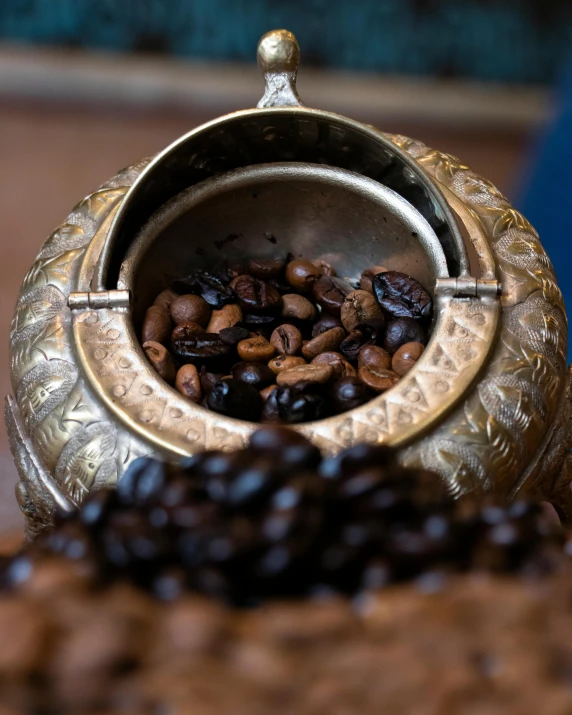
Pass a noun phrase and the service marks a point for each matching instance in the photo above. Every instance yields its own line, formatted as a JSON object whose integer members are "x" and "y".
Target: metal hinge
{"x": 467, "y": 287}
{"x": 99, "y": 299}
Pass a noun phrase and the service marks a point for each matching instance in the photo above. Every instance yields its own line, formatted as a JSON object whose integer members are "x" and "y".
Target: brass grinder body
{"x": 488, "y": 406}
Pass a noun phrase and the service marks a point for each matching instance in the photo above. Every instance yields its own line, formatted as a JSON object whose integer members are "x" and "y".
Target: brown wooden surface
{"x": 51, "y": 156}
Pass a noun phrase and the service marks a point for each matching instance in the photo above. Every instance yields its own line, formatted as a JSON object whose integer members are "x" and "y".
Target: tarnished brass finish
{"x": 488, "y": 405}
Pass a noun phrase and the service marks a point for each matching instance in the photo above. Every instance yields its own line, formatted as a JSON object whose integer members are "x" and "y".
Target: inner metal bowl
{"x": 269, "y": 210}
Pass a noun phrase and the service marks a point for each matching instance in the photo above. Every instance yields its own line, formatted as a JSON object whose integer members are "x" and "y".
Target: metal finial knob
{"x": 278, "y": 57}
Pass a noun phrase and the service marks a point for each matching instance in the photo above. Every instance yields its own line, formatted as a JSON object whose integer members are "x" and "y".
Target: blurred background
{"x": 90, "y": 86}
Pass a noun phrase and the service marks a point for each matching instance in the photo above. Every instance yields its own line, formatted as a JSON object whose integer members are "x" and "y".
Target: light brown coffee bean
{"x": 285, "y": 362}
{"x": 326, "y": 268}
{"x": 287, "y": 339}
{"x": 156, "y": 325}
{"x": 366, "y": 280}
{"x": 325, "y": 342}
{"x": 256, "y": 349}
{"x": 301, "y": 273}
{"x": 190, "y": 309}
{"x": 188, "y": 383}
{"x": 296, "y": 306}
{"x": 161, "y": 360}
{"x": 185, "y": 330}
{"x": 373, "y": 368}
{"x": 228, "y": 316}
{"x": 165, "y": 298}
{"x": 266, "y": 267}
{"x": 372, "y": 355}
{"x": 359, "y": 307}
{"x": 266, "y": 392}
{"x": 406, "y": 357}
{"x": 338, "y": 363}
{"x": 305, "y": 373}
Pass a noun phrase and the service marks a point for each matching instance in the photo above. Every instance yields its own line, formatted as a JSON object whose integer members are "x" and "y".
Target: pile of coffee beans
{"x": 277, "y": 519}
{"x": 285, "y": 341}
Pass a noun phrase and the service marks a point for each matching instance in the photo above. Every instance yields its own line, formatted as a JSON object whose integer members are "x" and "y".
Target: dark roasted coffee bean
{"x": 406, "y": 357}
{"x": 260, "y": 323}
{"x": 286, "y": 339}
{"x": 293, "y": 405}
{"x": 227, "y": 317}
{"x": 235, "y": 399}
{"x": 233, "y": 335}
{"x": 330, "y": 293}
{"x": 156, "y": 325}
{"x": 266, "y": 267}
{"x": 202, "y": 346}
{"x": 359, "y": 307}
{"x": 161, "y": 360}
{"x": 190, "y": 309}
{"x": 281, "y": 285}
{"x": 256, "y": 349}
{"x": 215, "y": 292}
{"x": 401, "y": 331}
{"x": 255, "y": 374}
{"x": 366, "y": 280}
{"x": 227, "y": 271}
{"x": 373, "y": 329}
{"x": 357, "y": 457}
{"x": 324, "y": 342}
{"x": 142, "y": 481}
{"x": 351, "y": 345}
{"x": 301, "y": 273}
{"x": 278, "y": 441}
{"x": 350, "y": 392}
{"x": 186, "y": 330}
{"x": 374, "y": 368}
{"x": 208, "y": 380}
{"x": 325, "y": 322}
{"x": 256, "y": 296}
{"x": 296, "y": 306}
{"x": 265, "y": 393}
{"x": 401, "y": 296}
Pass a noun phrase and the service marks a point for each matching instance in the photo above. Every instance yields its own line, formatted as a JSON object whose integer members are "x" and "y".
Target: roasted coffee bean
{"x": 340, "y": 366}
{"x": 374, "y": 356}
{"x": 255, "y": 374}
{"x": 165, "y": 298}
{"x": 293, "y": 405}
{"x": 326, "y": 268}
{"x": 351, "y": 345}
{"x": 256, "y": 349}
{"x": 366, "y": 280}
{"x": 374, "y": 330}
{"x": 285, "y": 362}
{"x": 371, "y": 370}
{"x": 226, "y": 271}
{"x": 281, "y": 285}
{"x": 256, "y": 296}
{"x": 208, "y": 380}
{"x": 325, "y": 322}
{"x": 406, "y": 357}
{"x": 156, "y": 325}
{"x": 304, "y": 373}
{"x": 359, "y": 307}
{"x": 287, "y": 340}
{"x": 301, "y": 273}
{"x": 227, "y": 317}
{"x": 235, "y": 399}
{"x": 296, "y": 306}
{"x": 325, "y": 342}
{"x": 266, "y": 267}
{"x": 214, "y": 291}
{"x": 260, "y": 323}
{"x": 350, "y": 392}
{"x": 401, "y": 296}
{"x": 188, "y": 383}
{"x": 190, "y": 309}
{"x": 234, "y": 335}
{"x": 201, "y": 346}
{"x": 266, "y": 392}
{"x": 330, "y": 293}
{"x": 186, "y": 330}
{"x": 401, "y": 331}
{"x": 161, "y": 360}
